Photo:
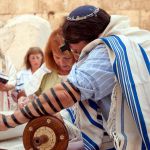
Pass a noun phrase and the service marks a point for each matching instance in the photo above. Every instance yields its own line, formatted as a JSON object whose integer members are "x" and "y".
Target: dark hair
{"x": 32, "y": 50}
{"x": 86, "y": 29}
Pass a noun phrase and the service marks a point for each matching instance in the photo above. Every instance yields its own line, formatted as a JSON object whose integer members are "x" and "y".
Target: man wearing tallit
{"x": 112, "y": 69}
{"x": 7, "y": 70}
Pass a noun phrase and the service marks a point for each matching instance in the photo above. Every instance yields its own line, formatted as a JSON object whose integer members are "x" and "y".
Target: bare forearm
{"x": 10, "y": 87}
{"x": 6, "y": 87}
{"x": 51, "y": 102}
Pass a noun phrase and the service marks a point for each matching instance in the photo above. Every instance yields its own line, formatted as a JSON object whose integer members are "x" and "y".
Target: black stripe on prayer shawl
{"x": 68, "y": 90}
{"x": 41, "y": 107}
{"x": 75, "y": 88}
{"x": 25, "y": 114}
{"x": 49, "y": 102}
{"x": 5, "y": 122}
{"x": 15, "y": 120}
{"x": 29, "y": 112}
{"x": 57, "y": 99}
{"x": 36, "y": 108}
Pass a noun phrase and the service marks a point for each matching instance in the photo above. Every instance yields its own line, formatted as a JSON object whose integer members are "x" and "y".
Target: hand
{"x": 2, "y": 125}
{"x": 14, "y": 95}
{"x": 21, "y": 94}
{"x": 4, "y": 87}
{"x": 22, "y": 101}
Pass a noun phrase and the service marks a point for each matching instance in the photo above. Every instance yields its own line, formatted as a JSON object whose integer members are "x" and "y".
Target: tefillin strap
{"x": 69, "y": 92}
{"x": 15, "y": 119}
{"x": 56, "y": 98}
{"x": 5, "y": 122}
{"x": 36, "y": 108}
{"x": 26, "y": 115}
{"x": 41, "y": 107}
{"x": 65, "y": 47}
{"x": 46, "y": 98}
{"x": 75, "y": 88}
{"x": 29, "y": 112}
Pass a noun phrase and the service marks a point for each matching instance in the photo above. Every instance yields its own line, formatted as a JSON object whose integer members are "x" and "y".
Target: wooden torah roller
{"x": 45, "y": 133}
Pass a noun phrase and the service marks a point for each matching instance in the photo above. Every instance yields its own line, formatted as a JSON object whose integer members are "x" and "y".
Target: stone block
{"x": 57, "y": 19}
{"x": 134, "y": 15}
{"x": 22, "y": 32}
{"x": 23, "y": 6}
{"x": 51, "y": 5}
{"x": 145, "y": 20}
{"x": 4, "y": 7}
{"x": 4, "y": 18}
{"x": 126, "y": 5}
{"x": 43, "y": 15}
{"x": 70, "y": 5}
{"x": 140, "y": 4}
{"x": 116, "y": 4}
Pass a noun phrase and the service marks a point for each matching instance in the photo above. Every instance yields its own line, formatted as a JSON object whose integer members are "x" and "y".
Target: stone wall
{"x": 53, "y": 10}
{"x": 20, "y": 33}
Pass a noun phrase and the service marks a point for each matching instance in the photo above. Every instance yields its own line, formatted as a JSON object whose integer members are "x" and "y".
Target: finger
{"x": 21, "y": 105}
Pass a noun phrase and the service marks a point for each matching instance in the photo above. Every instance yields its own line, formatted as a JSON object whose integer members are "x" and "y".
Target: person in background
{"x": 7, "y": 69}
{"x": 60, "y": 62}
{"x": 33, "y": 59}
{"x": 57, "y": 65}
{"x": 110, "y": 58}
{"x": 55, "y": 60}
{"x": 55, "y": 69}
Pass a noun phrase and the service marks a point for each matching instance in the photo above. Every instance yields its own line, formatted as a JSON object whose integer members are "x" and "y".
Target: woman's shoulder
{"x": 23, "y": 71}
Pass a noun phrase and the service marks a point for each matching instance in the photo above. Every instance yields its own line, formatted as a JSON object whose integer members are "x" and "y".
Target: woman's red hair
{"x": 53, "y": 46}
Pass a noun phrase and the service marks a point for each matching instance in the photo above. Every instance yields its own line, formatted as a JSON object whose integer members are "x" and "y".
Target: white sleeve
{"x": 11, "y": 70}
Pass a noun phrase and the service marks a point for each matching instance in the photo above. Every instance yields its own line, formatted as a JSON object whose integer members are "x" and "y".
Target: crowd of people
{"x": 90, "y": 73}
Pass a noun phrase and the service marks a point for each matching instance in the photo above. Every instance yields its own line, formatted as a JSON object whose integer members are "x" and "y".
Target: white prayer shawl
{"x": 120, "y": 25}
{"x": 86, "y": 117}
{"x": 6, "y": 101}
{"x": 132, "y": 69}
{"x": 128, "y": 121}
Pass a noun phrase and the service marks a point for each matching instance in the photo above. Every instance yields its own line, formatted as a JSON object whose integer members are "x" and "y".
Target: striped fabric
{"x": 85, "y": 116}
{"x": 132, "y": 68}
{"x": 86, "y": 76}
{"x": 128, "y": 121}
{"x": 97, "y": 69}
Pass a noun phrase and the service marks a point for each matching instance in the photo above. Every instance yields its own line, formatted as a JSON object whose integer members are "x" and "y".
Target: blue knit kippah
{"x": 83, "y": 12}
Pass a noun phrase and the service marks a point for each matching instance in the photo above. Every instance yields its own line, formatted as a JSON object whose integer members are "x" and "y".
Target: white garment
{"x": 129, "y": 116}
{"x": 34, "y": 82}
{"x": 120, "y": 124}
{"x": 6, "y": 101}
{"x": 23, "y": 76}
{"x": 120, "y": 25}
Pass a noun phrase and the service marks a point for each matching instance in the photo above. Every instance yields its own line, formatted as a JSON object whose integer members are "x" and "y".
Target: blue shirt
{"x": 93, "y": 76}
